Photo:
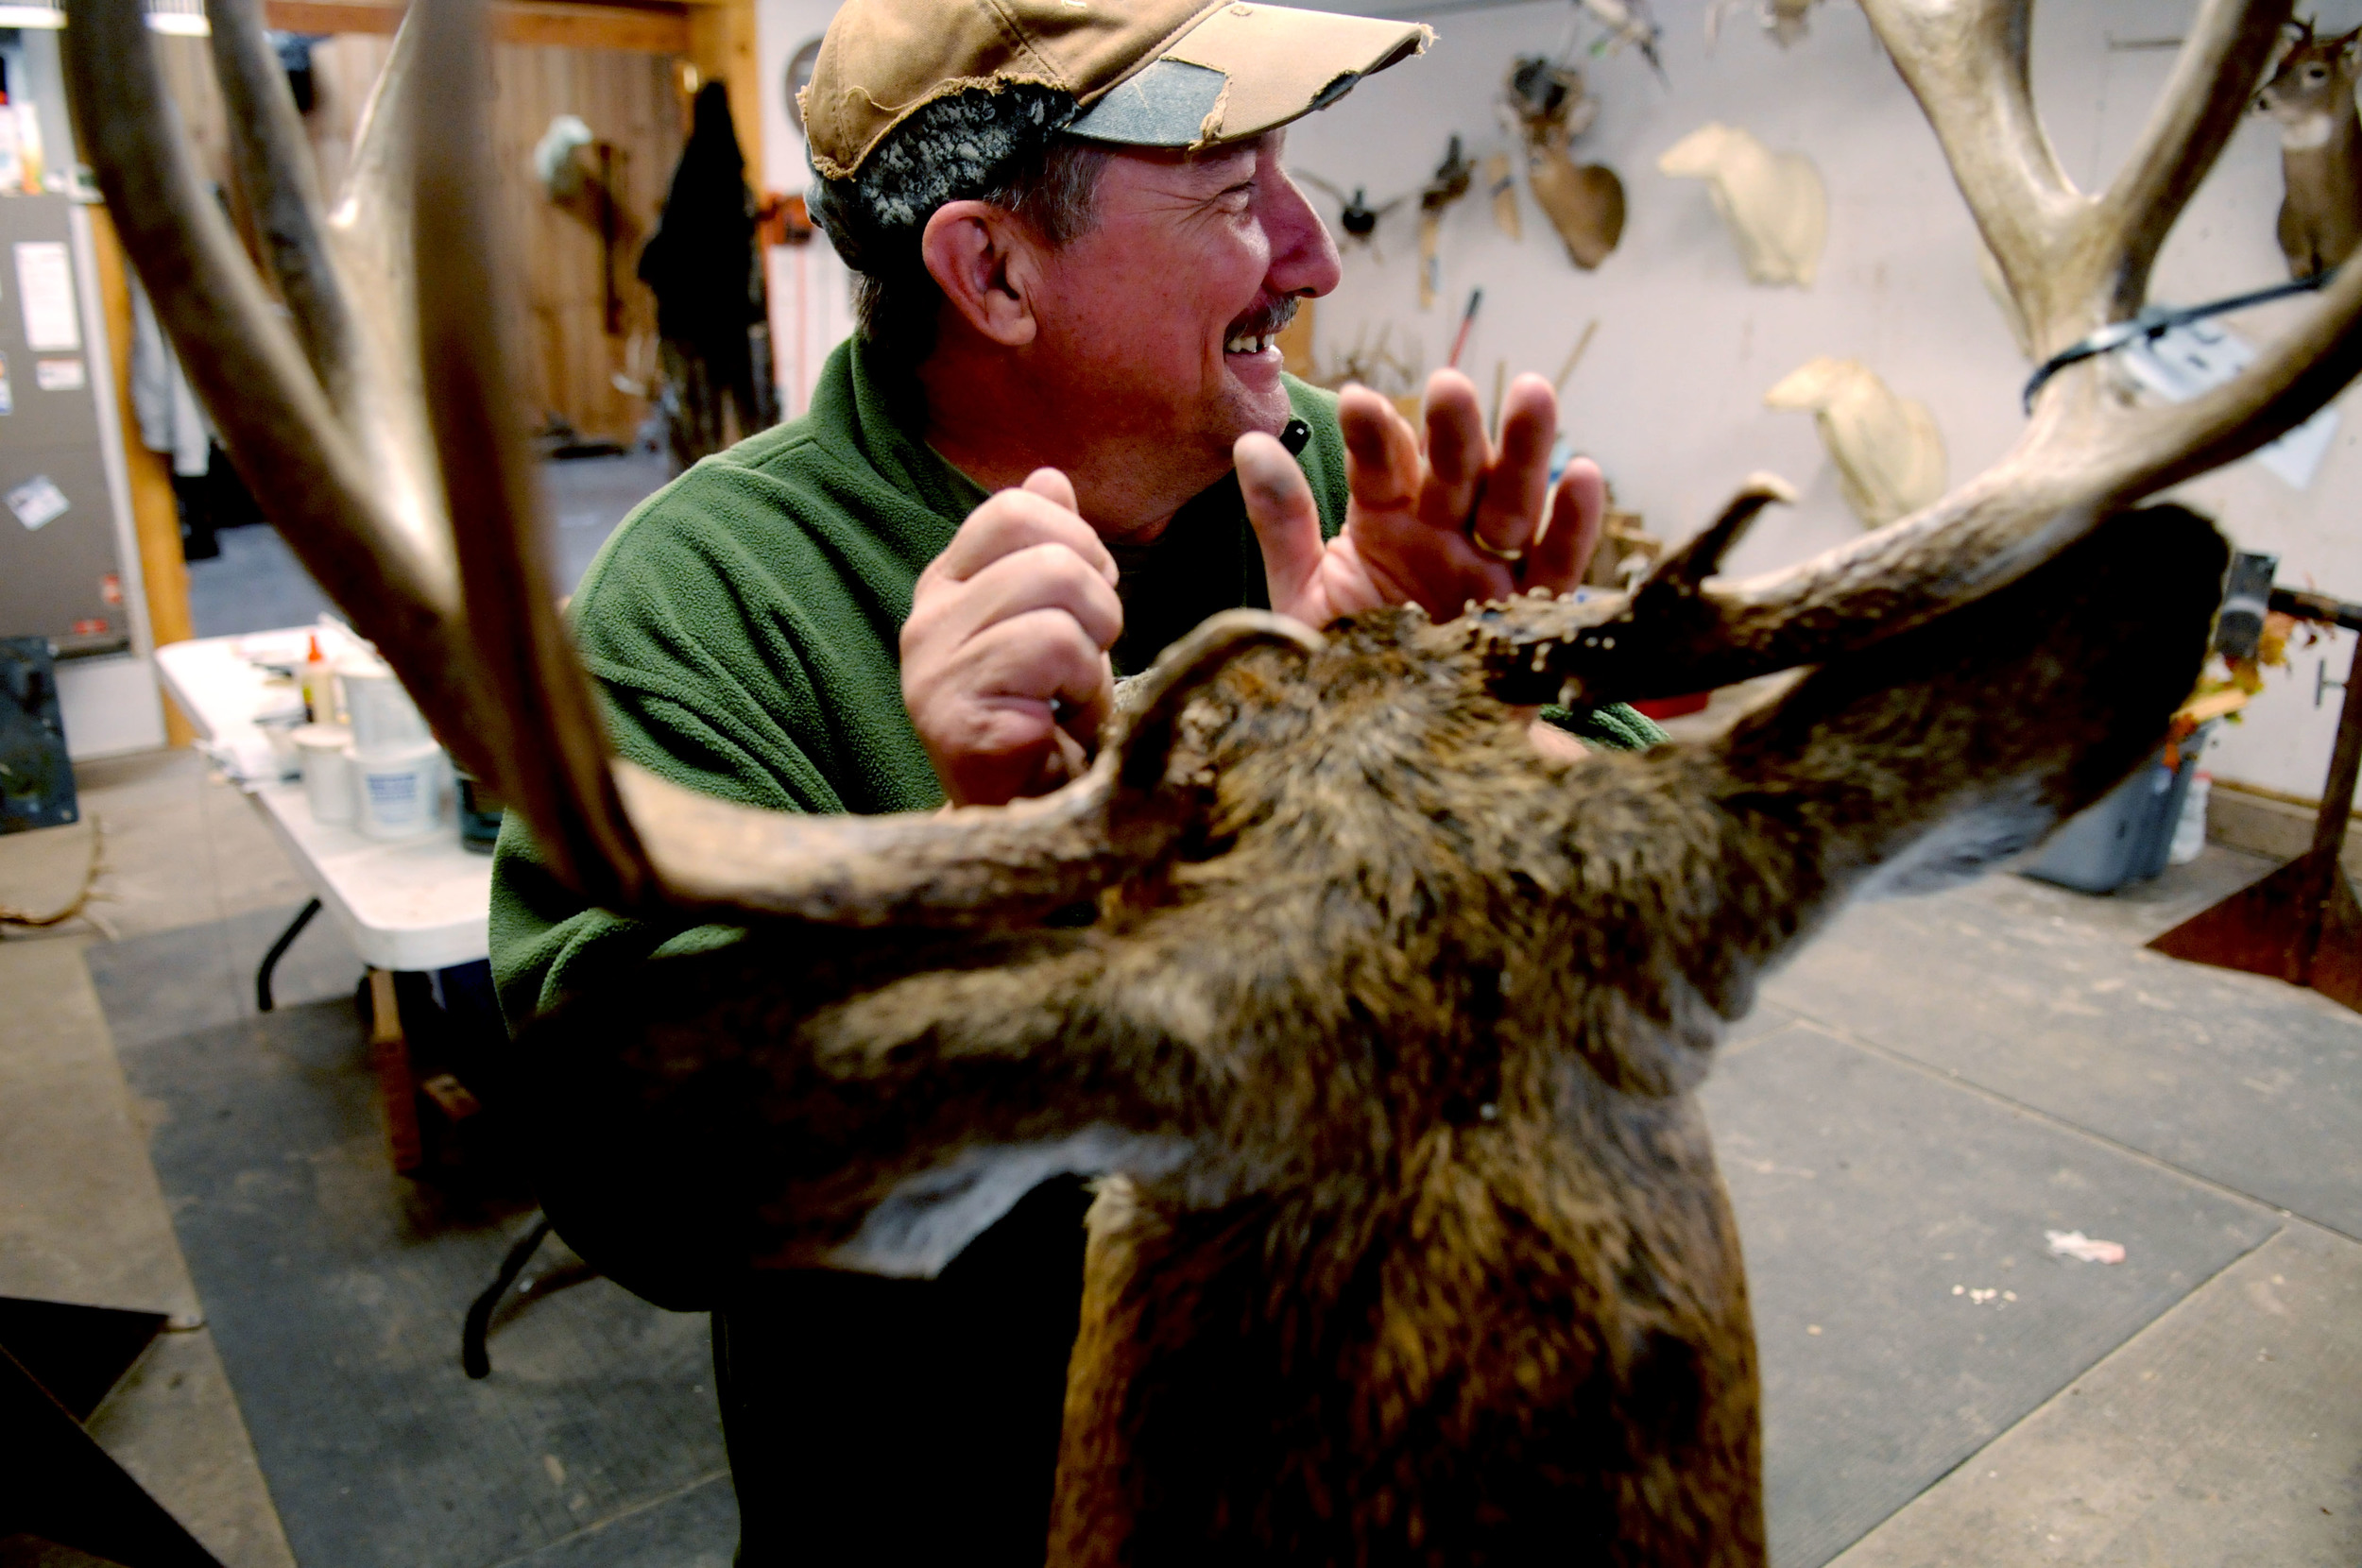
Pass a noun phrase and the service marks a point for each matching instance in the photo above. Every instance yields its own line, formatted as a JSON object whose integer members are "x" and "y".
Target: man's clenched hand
{"x": 1004, "y": 656}
{"x": 1435, "y": 522}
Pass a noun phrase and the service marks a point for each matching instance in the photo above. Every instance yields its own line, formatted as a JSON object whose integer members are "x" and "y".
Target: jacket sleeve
{"x": 687, "y": 692}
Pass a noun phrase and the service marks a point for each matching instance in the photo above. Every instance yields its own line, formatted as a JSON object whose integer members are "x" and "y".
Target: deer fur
{"x": 1888, "y": 452}
{"x": 1413, "y": 1249}
{"x": 1773, "y": 203}
{"x": 2311, "y": 95}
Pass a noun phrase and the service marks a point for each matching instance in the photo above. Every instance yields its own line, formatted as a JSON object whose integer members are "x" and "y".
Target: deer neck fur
{"x": 1407, "y": 1247}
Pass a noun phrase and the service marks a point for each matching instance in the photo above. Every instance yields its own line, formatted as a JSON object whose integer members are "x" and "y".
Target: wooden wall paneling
{"x": 155, "y": 511}
{"x": 649, "y": 27}
{"x": 565, "y": 354}
{"x": 630, "y": 104}
{"x": 722, "y": 47}
{"x": 344, "y": 69}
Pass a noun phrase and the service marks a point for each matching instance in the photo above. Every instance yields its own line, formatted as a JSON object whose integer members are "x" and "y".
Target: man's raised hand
{"x": 1435, "y": 522}
{"x": 1004, "y": 656}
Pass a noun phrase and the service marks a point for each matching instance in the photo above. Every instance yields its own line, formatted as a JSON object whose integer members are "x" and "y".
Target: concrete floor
{"x": 1931, "y": 1088}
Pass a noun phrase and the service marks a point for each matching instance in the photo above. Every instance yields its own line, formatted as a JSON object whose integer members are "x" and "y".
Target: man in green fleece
{"x": 1059, "y": 439}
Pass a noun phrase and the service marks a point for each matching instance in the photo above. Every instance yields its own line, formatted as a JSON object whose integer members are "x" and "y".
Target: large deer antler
{"x": 2073, "y": 262}
{"x": 420, "y": 516}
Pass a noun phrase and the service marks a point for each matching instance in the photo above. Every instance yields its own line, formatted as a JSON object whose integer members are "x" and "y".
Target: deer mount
{"x": 1888, "y": 452}
{"x": 1773, "y": 203}
{"x": 1381, "y": 1029}
{"x": 1586, "y": 203}
{"x": 2311, "y": 95}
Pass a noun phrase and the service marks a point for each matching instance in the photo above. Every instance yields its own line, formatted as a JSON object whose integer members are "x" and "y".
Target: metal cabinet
{"x": 63, "y": 574}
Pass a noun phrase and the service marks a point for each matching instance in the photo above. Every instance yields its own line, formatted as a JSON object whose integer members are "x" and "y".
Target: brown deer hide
{"x": 1417, "y": 1252}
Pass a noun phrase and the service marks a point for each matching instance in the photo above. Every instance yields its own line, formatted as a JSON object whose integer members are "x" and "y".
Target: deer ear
{"x": 1935, "y": 754}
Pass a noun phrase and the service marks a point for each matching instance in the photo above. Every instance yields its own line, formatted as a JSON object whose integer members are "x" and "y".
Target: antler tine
{"x": 1965, "y": 62}
{"x": 235, "y": 348}
{"x": 2228, "y": 45}
{"x": 977, "y": 865}
{"x": 274, "y": 169}
{"x": 539, "y": 735}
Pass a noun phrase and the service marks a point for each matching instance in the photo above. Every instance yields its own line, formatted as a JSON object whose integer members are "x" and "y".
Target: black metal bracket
{"x": 263, "y": 1003}
{"x": 2155, "y": 321}
{"x": 475, "y": 1357}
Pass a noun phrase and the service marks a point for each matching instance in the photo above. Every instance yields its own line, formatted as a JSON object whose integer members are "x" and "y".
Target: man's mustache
{"x": 1269, "y": 316}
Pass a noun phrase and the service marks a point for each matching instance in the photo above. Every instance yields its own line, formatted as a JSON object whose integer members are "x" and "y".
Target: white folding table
{"x": 417, "y": 905}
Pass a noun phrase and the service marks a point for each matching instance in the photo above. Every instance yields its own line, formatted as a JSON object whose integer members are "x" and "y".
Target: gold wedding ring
{"x": 1508, "y": 557}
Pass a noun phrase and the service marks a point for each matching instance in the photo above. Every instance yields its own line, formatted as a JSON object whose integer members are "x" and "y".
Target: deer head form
{"x": 1888, "y": 452}
{"x": 1383, "y": 1024}
{"x": 1773, "y": 202}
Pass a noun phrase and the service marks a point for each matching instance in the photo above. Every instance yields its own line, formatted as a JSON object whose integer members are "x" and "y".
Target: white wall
{"x": 811, "y": 308}
{"x": 1670, "y": 394}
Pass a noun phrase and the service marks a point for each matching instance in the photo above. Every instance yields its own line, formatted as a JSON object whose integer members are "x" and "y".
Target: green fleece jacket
{"x": 744, "y": 626}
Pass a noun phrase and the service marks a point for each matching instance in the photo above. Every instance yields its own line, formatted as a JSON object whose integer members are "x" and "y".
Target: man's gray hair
{"x": 1003, "y": 147}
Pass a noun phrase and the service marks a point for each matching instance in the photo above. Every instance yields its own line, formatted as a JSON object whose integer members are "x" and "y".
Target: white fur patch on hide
{"x": 924, "y": 1222}
{"x": 1964, "y": 843}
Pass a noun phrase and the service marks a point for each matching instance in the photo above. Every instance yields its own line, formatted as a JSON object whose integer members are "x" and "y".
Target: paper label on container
{"x": 45, "y": 288}
{"x": 58, "y": 375}
{"x": 37, "y": 502}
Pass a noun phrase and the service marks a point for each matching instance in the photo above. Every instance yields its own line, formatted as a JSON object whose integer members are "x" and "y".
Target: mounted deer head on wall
{"x": 1383, "y": 1027}
{"x": 2311, "y": 94}
{"x": 1586, "y": 203}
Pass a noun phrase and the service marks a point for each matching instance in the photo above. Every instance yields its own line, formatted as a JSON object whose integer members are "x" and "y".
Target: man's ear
{"x": 984, "y": 259}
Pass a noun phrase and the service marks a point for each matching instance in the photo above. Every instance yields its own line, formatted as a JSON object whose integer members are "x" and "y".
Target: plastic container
{"x": 279, "y": 729}
{"x": 2127, "y": 836}
{"x": 396, "y": 790}
{"x": 383, "y": 717}
{"x": 2189, "y": 835}
{"x": 480, "y": 811}
{"x": 326, "y": 750}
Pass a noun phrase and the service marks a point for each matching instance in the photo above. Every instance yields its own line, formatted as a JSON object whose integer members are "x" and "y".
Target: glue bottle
{"x": 319, "y": 689}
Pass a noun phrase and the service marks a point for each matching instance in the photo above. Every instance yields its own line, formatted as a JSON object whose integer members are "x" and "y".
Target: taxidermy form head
{"x": 1773, "y": 203}
{"x": 1888, "y": 452}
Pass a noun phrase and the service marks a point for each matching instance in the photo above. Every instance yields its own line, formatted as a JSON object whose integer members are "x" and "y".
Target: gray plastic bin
{"x": 2127, "y": 836}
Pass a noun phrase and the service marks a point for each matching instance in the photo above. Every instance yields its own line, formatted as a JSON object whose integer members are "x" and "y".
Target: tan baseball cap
{"x": 1147, "y": 73}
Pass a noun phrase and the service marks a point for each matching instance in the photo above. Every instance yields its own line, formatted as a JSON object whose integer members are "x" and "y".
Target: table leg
{"x": 389, "y": 1053}
{"x": 278, "y": 950}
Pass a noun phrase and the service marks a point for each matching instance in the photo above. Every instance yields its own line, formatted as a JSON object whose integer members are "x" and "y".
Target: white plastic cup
{"x": 328, "y": 783}
{"x": 278, "y": 730}
{"x": 383, "y": 718}
{"x": 398, "y": 790}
